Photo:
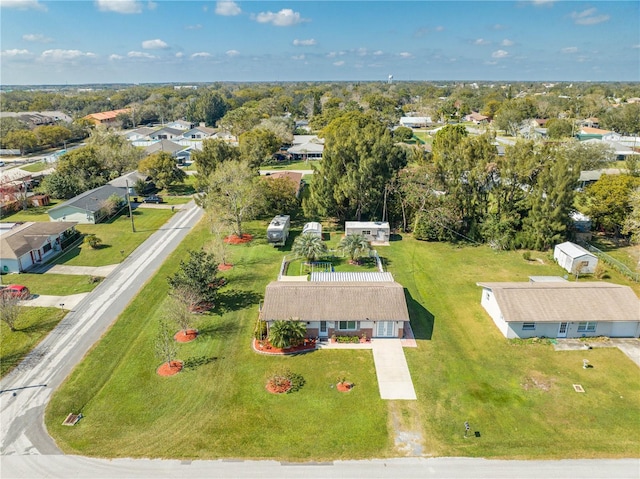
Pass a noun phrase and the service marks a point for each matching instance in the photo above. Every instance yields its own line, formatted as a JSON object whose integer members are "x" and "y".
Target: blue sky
{"x": 114, "y": 41}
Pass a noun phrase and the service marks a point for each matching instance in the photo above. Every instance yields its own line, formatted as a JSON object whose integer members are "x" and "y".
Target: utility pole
{"x": 133, "y": 227}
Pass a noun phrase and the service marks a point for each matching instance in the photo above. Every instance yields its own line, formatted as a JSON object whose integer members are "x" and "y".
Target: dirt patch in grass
{"x": 235, "y": 239}
{"x": 280, "y": 386}
{"x": 169, "y": 369}
{"x": 344, "y": 386}
{"x": 186, "y": 336}
{"x": 224, "y": 267}
{"x": 536, "y": 380}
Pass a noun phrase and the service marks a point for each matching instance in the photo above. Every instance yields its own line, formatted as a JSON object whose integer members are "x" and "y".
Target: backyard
{"x": 517, "y": 395}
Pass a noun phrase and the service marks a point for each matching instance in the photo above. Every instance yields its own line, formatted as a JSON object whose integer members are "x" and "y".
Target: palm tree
{"x": 355, "y": 246}
{"x": 284, "y": 334}
{"x": 310, "y": 246}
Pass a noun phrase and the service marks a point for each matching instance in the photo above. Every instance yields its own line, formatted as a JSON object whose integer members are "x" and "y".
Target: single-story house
{"x": 199, "y": 133}
{"x": 87, "y": 207}
{"x": 106, "y": 117}
{"x": 180, "y": 152}
{"x": 181, "y": 125}
{"x": 166, "y": 133}
{"x": 313, "y": 228}
{"x": 562, "y": 309}
{"x": 129, "y": 179}
{"x": 476, "y": 118}
{"x": 23, "y": 245}
{"x": 141, "y": 133}
{"x": 375, "y": 231}
{"x": 306, "y": 147}
{"x": 377, "y": 309}
{"x": 415, "y": 121}
{"x": 575, "y": 259}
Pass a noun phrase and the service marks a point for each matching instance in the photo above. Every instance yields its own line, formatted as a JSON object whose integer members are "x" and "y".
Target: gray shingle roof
{"x": 92, "y": 200}
{"x": 339, "y": 301}
{"x": 570, "y": 301}
{"x": 30, "y": 236}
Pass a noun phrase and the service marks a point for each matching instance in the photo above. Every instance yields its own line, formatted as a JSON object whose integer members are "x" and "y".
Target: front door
{"x": 562, "y": 330}
{"x": 385, "y": 329}
{"x": 323, "y": 329}
{"x": 380, "y": 235}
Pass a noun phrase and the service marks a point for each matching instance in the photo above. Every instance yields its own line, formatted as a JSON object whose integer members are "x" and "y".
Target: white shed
{"x": 313, "y": 228}
{"x": 374, "y": 231}
{"x": 575, "y": 259}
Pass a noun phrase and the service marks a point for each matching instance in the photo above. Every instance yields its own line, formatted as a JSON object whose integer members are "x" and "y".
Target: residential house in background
{"x": 378, "y": 232}
{"x": 23, "y": 245}
{"x": 306, "y": 147}
{"x": 476, "y": 118}
{"x": 87, "y": 207}
{"x": 107, "y": 118}
{"x": 180, "y": 125}
{"x": 166, "y": 133}
{"x": 294, "y": 177}
{"x": 562, "y": 309}
{"x": 416, "y": 121}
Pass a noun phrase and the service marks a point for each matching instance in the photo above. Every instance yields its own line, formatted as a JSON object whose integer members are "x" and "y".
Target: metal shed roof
{"x": 354, "y": 276}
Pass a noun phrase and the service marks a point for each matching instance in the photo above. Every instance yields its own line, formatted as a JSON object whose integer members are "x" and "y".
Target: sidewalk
{"x": 394, "y": 379}
{"x": 44, "y": 300}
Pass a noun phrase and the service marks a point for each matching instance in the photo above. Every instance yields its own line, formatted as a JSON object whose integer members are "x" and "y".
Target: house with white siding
{"x": 87, "y": 207}
{"x": 562, "y": 309}
{"x": 574, "y": 258}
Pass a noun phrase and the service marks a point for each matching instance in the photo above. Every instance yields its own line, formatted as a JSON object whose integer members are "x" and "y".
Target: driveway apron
{"x": 394, "y": 379}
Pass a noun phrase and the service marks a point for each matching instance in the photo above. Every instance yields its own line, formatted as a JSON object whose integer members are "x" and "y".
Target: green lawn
{"x": 32, "y": 326}
{"x": 52, "y": 284}
{"x": 118, "y": 241}
{"x": 291, "y": 165}
{"x": 518, "y": 396}
{"x": 32, "y": 214}
{"x": 36, "y": 167}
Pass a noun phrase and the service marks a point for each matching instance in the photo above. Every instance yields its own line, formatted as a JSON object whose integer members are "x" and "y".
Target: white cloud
{"x": 331, "y": 55}
{"x": 193, "y": 27}
{"x": 569, "y": 50}
{"x": 637, "y": 45}
{"x": 36, "y": 37}
{"x": 481, "y": 41}
{"x": 543, "y": 3}
{"x": 406, "y": 55}
{"x": 23, "y": 5}
{"x": 228, "y": 9}
{"x": 119, "y": 6}
{"x": 338, "y": 63}
{"x": 298, "y": 57}
{"x": 377, "y": 53}
{"x": 14, "y": 53}
{"x": 588, "y": 17}
{"x": 179, "y": 54}
{"x": 156, "y": 44}
{"x": 506, "y": 42}
{"x": 362, "y": 52}
{"x": 500, "y": 54}
{"x": 201, "y": 55}
{"x": 439, "y": 28}
{"x": 284, "y": 18}
{"x": 304, "y": 43}
{"x": 232, "y": 53}
{"x": 59, "y": 55}
{"x": 135, "y": 54}
{"x": 115, "y": 57}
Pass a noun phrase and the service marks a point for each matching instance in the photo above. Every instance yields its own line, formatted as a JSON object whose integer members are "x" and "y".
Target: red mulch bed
{"x": 235, "y": 239}
{"x": 280, "y": 388}
{"x": 224, "y": 267}
{"x": 268, "y": 349}
{"x": 169, "y": 369}
{"x": 185, "y": 337}
{"x": 344, "y": 387}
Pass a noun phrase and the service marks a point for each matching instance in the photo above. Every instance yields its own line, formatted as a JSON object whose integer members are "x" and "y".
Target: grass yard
{"x": 38, "y": 213}
{"x": 116, "y": 236}
{"x": 291, "y": 165}
{"x": 519, "y": 396}
{"x": 32, "y": 326}
{"x": 53, "y": 284}
{"x": 219, "y": 408}
{"x": 36, "y": 167}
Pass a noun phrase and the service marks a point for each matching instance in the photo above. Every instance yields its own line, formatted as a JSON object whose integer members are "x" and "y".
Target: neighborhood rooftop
{"x": 21, "y": 239}
{"x": 568, "y": 301}
{"x": 92, "y": 200}
{"x": 339, "y": 301}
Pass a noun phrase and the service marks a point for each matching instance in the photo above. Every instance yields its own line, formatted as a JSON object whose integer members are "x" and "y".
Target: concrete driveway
{"x": 629, "y": 346}
{"x": 44, "y": 300}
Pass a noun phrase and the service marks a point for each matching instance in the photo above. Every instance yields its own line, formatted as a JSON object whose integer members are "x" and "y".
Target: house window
{"x": 587, "y": 327}
{"x": 366, "y": 233}
{"x": 46, "y": 248}
{"x": 488, "y": 296}
{"x": 528, "y": 326}
{"x": 347, "y": 325}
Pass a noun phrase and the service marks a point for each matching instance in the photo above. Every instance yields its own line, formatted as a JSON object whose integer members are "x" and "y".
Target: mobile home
{"x": 374, "y": 231}
{"x": 278, "y": 230}
{"x": 313, "y": 228}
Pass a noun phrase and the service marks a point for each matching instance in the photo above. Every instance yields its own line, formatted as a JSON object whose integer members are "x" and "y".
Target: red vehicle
{"x": 15, "y": 290}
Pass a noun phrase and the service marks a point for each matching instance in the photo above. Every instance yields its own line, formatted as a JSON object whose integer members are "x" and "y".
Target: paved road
{"x": 27, "y": 389}
{"x": 441, "y": 468}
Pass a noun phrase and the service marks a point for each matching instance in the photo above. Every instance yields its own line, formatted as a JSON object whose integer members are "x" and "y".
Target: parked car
{"x": 153, "y": 199}
{"x": 15, "y": 291}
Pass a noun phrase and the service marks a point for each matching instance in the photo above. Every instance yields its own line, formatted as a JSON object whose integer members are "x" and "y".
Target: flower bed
{"x": 264, "y": 346}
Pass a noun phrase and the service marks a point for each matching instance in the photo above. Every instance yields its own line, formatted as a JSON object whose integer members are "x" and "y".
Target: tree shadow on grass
{"x": 219, "y": 329}
{"x": 235, "y": 300}
{"x": 34, "y": 328}
{"x": 194, "y": 362}
{"x": 422, "y": 320}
